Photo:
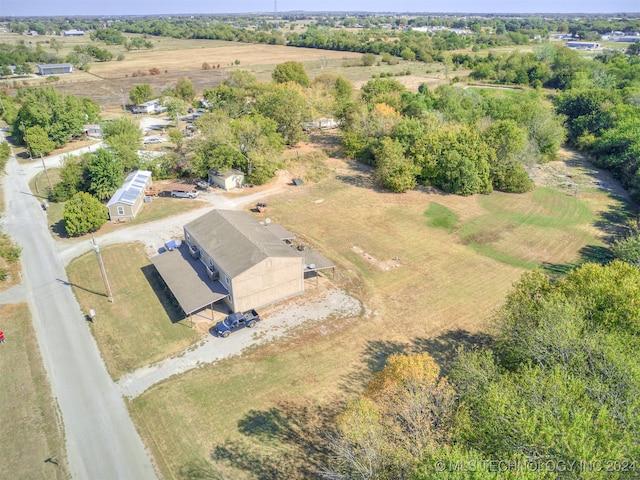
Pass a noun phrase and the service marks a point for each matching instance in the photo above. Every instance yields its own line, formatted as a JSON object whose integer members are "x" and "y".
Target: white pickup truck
{"x": 184, "y": 194}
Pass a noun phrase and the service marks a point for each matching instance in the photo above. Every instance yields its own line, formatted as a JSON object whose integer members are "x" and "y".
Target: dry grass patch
{"x": 141, "y": 314}
{"x": 31, "y": 430}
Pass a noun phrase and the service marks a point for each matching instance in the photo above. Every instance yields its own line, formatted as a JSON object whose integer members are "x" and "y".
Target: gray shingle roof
{"x": 236, "y": 241}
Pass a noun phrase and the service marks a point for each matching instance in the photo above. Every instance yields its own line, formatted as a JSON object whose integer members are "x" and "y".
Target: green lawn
{"x": 526, "y": 230}
{"x": 30, "y": 427}
{"x": 141, "y": 326}
{"x": 439, "y": 216}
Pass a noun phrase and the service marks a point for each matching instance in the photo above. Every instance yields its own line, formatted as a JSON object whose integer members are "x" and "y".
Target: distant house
{"x": 126, "y": 202}
{"x": 152, "y": 106}
{"x": 226, "y": 180}
{"x": 324, "y": 123}
{"x": 92, "y": 130}
{"x": 584, "y": 45}
{"x": 55, "y": 69}
{"x": 73, "y": 33}
{"x": 628, "y": 39}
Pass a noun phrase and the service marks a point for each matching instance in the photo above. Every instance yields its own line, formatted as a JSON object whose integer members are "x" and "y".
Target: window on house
{"x": 120, "y": 210}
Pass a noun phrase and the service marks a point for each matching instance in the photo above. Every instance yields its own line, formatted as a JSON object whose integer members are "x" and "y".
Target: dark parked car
{"x": 236, "y": 321}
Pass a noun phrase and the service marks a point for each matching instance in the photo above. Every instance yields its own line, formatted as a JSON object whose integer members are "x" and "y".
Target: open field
{"x": 108, "y": 83}
{"x": 439, "y": 297}
{"x": 30, "y": 427}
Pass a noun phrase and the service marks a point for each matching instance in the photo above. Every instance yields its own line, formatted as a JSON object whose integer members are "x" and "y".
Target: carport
{"x": 188, "y": 281}
{"x": 314, "y": 261}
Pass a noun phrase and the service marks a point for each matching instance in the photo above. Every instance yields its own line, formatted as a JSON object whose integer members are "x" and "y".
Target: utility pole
{"x": 124, "y": 108}
{"x": 103, "y": 271}
{"x": 46, "y": 172}
{"x": 24, "y": 130}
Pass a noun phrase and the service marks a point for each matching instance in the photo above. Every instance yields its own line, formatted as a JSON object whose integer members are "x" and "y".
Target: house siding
{"x": 264, "y": 284}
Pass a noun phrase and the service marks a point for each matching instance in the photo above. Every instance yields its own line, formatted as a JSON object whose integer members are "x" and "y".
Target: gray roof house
{"x": 55, "y": 68}
{"x": 251, "y": 263}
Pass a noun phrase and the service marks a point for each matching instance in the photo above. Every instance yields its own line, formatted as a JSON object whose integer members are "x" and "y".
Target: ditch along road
{"x": 101, "y": 441}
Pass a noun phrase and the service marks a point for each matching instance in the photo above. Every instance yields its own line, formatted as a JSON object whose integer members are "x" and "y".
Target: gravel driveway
{"x": 331, "y": 303}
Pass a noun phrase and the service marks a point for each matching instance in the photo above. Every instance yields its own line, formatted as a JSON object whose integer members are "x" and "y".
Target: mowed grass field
{"x": 138, "y": 327}
{"x": 30, "y": 428}
{"x": 264, "y": 415}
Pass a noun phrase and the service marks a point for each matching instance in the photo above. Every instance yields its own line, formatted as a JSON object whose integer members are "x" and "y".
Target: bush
{"x": 5, "y": 151}
{"x": 368, "y": 59}
{"x": 154, "y": 71}
{"x": 8, "y": 251}
{"x": 206, "y": 66}
{"x": 120, "y": 57}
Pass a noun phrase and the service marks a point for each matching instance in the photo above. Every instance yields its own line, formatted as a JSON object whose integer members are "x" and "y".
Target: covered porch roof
{"x": 187, "y": 279}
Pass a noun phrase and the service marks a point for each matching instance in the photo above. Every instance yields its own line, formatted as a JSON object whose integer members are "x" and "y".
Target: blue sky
{"x": 151, "y": 7}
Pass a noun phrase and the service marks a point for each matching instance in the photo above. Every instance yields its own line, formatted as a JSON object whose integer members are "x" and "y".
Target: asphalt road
{"x": 102, "y": 442}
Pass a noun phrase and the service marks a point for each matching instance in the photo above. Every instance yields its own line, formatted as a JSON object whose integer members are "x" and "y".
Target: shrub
{"x": 368, "y": 59}
{"x": 206, "y": 66}
{"x": 154, "y": 71}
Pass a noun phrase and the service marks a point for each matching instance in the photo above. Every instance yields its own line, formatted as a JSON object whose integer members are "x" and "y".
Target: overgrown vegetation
{"x": 558, "y": 387}
{"x": 462, "y": 141}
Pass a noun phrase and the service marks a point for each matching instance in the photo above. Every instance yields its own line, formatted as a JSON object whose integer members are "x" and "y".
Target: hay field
{"x": 108, "y": 83}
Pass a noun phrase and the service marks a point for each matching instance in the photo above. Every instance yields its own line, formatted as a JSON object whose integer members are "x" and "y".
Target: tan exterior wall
{"x": 114, "y": 216}
{"x": 270, "y": 281}
{"x": 226, "y": 183}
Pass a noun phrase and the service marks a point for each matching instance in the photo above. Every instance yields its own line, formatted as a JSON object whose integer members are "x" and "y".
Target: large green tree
{"x": 287, "y": 106}
{"x": 393, "y": 170}
{"x": 290, "y": 72}
{"x": 124, "y": 138}
{"x": 141, "y": 93}
{"x": 38, "y": 142}
{"x": 105, "y": 173}
{"x": 184, "y": 89}
{"x": 61, "y": 117}
{"x": 84, "y": 213}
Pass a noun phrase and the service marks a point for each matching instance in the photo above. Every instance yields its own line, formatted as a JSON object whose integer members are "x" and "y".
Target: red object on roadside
{"x": 1, "y": 336}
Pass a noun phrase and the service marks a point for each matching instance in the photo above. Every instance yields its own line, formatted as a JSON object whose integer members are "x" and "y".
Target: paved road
{"x": 102, "y": 442}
